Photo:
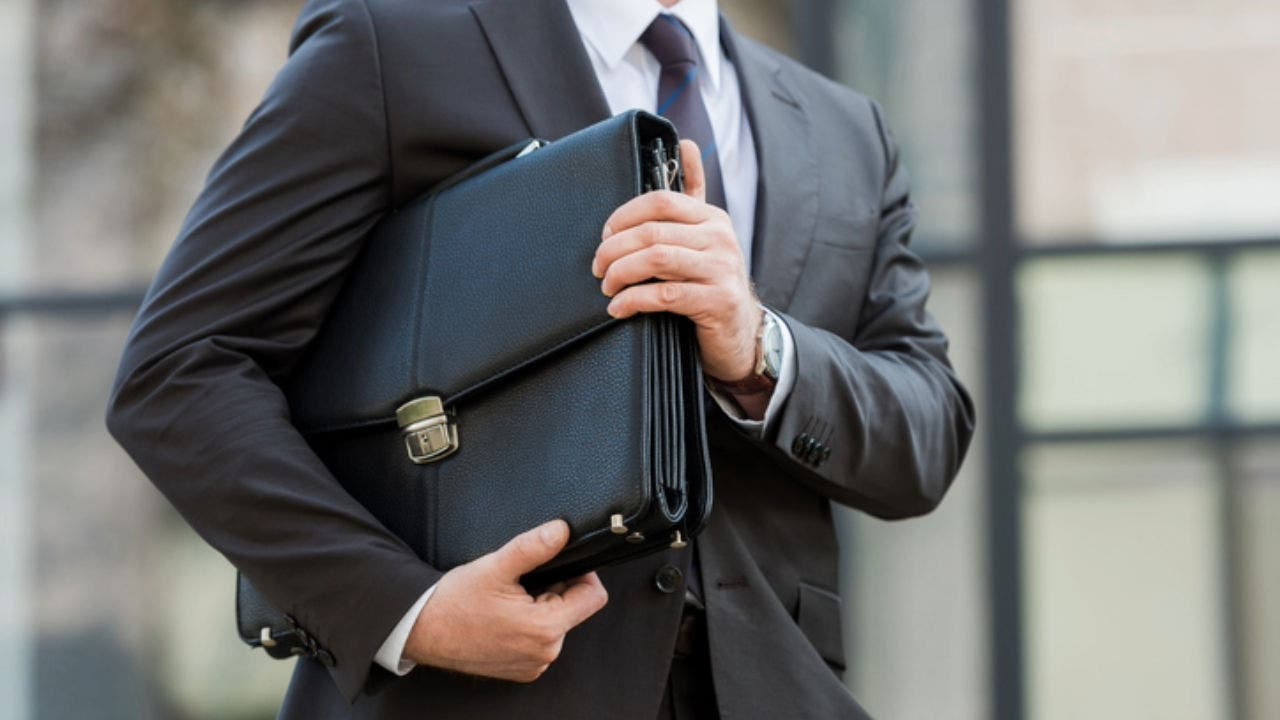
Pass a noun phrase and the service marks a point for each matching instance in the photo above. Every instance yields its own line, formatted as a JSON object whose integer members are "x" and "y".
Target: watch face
{"x": 772, "y": 348}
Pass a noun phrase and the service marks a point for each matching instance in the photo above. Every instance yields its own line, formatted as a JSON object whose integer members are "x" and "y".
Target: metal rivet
{"x": 635, "y": 537}
{"x": 616, "y": 525}
{"x": 265, "y": 638}
{"x": 678, "y": 542}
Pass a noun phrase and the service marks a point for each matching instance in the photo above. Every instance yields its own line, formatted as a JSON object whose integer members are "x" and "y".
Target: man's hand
{"x": 481, "y": 621}
{"x": 691, "y": 249}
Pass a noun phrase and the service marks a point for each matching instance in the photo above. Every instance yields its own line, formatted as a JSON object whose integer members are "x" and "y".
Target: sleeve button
{"x": 798, "y": 444}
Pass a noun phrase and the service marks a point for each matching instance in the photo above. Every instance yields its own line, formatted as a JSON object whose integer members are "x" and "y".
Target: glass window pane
{"x": 1259, "y": 533}
{"x": 225, "y": 679}
{"x": 128, "y": 613}
{"x": 956, "y": 303}
{"x": 129, "y": 109}
{"x": 17, "y": 69}
{"x": 1255, "y": 349}
{"x": 916, "y": 58}
{"x": 894, "y": 574}
{"x": 1141, "y": 120}
{"x": 1124, "y": 606}
{"x": 1114, "y": 341}
{"x": 768, "y": 21}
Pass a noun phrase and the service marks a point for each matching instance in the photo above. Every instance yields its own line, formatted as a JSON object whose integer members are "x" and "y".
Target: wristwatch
{"x": 768, "y": 361}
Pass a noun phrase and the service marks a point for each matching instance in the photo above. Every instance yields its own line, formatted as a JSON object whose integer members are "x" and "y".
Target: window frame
{"x": 995, "y": 257}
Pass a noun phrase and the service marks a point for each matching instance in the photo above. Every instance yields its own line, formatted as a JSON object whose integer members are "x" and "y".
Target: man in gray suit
{"x": 789, "y": 254}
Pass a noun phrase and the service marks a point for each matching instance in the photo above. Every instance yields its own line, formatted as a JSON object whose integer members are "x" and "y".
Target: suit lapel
{"x": 541, "y": 54}
{"x": 546, "y": 66}
{"x": 787, "y": 197}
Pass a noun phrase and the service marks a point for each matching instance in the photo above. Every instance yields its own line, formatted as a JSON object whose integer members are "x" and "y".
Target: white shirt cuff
{"x": 786, "y": 381}
{"x": 391, "y": 654}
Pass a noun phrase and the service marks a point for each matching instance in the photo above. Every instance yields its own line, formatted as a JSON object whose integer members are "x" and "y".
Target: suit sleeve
{"x": 243, "y": 290}
{"x": 891, "y": 419}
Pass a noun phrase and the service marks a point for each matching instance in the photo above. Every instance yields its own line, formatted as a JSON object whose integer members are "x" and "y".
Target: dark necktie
{"x": 680, "y": 102}
{"x": 678, "y": 97}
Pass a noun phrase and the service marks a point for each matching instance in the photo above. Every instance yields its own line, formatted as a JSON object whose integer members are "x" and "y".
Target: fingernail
{"x": 607, "y": 232}
{"x": 595, "y": 268}
{"x": 550, "y": 533}
{"x": 603, "y": 291}
{"x": 613, "y": 309}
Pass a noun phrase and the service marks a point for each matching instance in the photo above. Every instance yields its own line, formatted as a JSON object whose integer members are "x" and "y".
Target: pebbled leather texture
{"x": 481, "y": 293}
{"x": 513, "y": 237}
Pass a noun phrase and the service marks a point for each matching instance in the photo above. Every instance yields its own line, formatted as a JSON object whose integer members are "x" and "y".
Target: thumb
{"x": 530, "y": 549}
{"x": 695, "y": 179}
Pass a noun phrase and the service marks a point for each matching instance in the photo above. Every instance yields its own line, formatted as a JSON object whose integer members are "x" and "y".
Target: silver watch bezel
{"x": 770, "y": 364}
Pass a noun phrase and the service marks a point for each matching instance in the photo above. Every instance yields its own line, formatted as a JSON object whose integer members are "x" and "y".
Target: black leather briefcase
{"x": 469, "y": 384}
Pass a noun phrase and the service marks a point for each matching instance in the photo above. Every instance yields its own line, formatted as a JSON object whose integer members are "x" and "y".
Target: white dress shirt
{"x": 628, "y": 74}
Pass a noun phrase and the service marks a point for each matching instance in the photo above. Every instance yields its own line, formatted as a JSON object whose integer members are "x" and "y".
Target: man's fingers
{"x": 657, "y": 205}
{"x": 689, "y": 208}
{"x": 584, "y": 598}
{"x": 529, "y": 549}
{"x": 553, "y": 593}
{"x": 590, "y": 577}
{"x": 695, "y": 179}
{"x": 664, "y": 262}
{"x": 652, "y": 233}
{"x": 682, "y": 298}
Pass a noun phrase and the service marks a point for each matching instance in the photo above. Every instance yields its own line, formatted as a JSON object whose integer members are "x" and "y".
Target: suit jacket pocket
{"x": 818, "y": 615}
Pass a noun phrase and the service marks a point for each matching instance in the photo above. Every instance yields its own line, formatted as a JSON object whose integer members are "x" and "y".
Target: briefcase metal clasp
{"x": 428, "y": 434}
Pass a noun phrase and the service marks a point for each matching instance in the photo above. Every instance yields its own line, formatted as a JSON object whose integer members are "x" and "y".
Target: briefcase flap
{"x": 508, "y": 281}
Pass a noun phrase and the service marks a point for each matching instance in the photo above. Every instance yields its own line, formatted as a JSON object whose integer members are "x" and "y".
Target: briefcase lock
{"x": 428, "y": 434}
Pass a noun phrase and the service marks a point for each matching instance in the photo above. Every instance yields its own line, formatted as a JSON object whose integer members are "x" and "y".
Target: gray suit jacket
{"x": 381, "y": 99}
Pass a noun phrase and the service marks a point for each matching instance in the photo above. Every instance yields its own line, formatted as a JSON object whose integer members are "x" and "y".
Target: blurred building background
{"x": 1099, "y": 185}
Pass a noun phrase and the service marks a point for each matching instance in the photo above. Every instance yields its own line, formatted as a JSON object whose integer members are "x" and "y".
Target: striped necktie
{"x": 678, "y": 97}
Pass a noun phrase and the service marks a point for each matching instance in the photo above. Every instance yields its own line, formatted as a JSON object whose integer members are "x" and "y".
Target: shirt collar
{"x": 611, "y": 27}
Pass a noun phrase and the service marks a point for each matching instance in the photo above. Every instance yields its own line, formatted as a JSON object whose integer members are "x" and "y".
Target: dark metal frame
{"x": 996, "y": 260}
{"x": 71, "y": 302}
{"x": 999, "y": 258}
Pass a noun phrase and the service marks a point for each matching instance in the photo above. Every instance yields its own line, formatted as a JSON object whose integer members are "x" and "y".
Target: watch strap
{"x": 759, "y": 381}
{"x": 753, "y": 384}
